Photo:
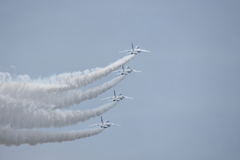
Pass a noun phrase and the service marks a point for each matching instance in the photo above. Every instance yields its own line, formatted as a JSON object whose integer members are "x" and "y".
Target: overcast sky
{"x": 186, "y": 99}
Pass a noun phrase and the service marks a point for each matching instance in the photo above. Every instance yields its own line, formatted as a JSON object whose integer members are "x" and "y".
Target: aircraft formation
{"x": 30, "y": 104}
{"x": 118, "y": 97}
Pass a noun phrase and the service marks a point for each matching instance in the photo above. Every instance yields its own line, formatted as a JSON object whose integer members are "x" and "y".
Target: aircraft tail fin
{"x": 101, "y": 120}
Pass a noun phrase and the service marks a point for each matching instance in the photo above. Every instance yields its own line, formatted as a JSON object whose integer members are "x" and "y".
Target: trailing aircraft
{"x": 105, "y": 124}
{"x": 126, "y": 70}
{"x": 117, "y": 97}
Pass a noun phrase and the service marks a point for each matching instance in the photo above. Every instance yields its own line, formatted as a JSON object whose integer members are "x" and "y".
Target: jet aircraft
{"x": 117, "y": 97}
{"x": 105, "y": 124}
{"x": 126, "y": 70}
{"x": 135, "y": 50}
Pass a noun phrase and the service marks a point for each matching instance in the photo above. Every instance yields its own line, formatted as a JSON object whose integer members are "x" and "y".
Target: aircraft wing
{"x": 136, "y": 71}
{"x": 113, "y": 124}
{"x": 107, "y": 98}
{"x": 125, "y": 51}
{"x": 142, "y": 50}
{"x": 94, "y": 125}
{"x": 128, "y": 97}
{"x": 118, "y": 71}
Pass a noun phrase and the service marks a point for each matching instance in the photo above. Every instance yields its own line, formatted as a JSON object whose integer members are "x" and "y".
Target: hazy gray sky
{"x": 186, "y": 100}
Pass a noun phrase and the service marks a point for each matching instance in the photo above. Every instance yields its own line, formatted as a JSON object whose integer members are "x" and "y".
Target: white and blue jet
{"x": 105, "y": 124}
{"x": 135, "y": 50}
{"x": 125, "y": 70}
{"x": 117, "y": 97}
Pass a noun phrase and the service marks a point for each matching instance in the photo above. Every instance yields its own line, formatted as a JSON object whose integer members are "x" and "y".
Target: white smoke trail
{"x": 58, "y": 102}
{"x": 99, "y": 73}
{"x": 24, "y": 87}
{"x": 76, "y": 97}
{"x": 10, "y": 104}
{"x": 22, "y": 115}
{"x": 17, "y": 137}
{"x": 24, "y": 104}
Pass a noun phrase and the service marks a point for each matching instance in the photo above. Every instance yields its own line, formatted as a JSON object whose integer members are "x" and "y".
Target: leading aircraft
{"x": 117, "y": 97}
{"x": 126, "y": 70}
{"x": 105, "y": 124}
{"x": 135, "y": 50}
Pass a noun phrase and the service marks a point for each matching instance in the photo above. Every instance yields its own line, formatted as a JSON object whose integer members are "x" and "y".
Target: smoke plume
{"x": 17, "y": 137}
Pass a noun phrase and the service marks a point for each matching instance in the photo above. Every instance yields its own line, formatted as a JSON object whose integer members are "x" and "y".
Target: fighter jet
{"x": 135, "y": 50}
{"x": 117, "y": 97}
{"x": 105, "y": 124}
{"x": 126, "y": 71}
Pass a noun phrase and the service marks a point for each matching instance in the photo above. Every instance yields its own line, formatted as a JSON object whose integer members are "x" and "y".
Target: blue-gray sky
{"x": 186, "y": 100}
